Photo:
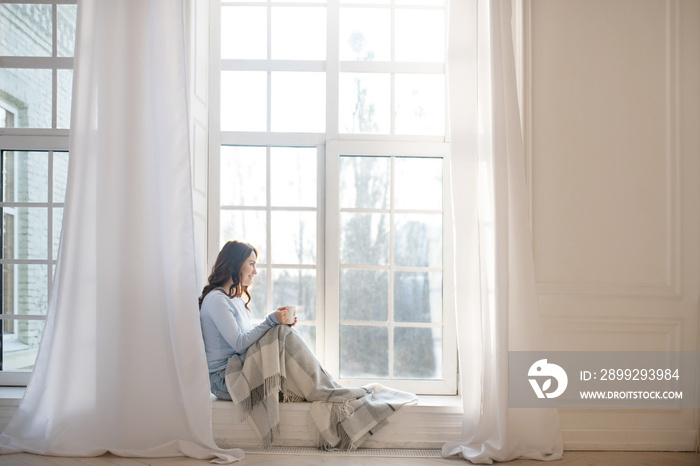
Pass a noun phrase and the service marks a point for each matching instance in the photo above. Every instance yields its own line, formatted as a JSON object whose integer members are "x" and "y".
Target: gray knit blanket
{"x": 281, "y": 366}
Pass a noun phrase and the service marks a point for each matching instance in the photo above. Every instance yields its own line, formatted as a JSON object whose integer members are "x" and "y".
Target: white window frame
{"x": 327, "y": 309}
{"x": 335, "y": 149}
{"x": 49, "y": 140}
{"x": 37, "y": 143}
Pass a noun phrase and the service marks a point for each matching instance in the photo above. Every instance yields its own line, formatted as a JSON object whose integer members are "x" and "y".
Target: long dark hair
{"x": 228, "y": 265}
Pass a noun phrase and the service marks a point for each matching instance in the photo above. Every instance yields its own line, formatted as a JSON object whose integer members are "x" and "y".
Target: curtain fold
{"x": 497, "y": 305}
{"x": 121, "y": 367}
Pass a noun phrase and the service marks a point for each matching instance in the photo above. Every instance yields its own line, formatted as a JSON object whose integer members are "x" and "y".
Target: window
{"x": 36, "y": 47}
{"x": 328, "y": 153}
{"x": 280, "y": 217}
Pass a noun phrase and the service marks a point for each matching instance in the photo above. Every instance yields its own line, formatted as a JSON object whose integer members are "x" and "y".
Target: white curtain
{"x": 497, "y": 307}
{"x": 121, "y": 367}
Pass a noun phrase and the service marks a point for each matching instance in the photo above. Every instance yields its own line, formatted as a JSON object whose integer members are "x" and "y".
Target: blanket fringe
{"x": 346, "y": 442}
{"x": 340, "y": 411}
{"x": 291, "y": 397}
{"x": 271, "y": 436}
{"x": 319, "y": 438}
{"x": 271, "y": 386}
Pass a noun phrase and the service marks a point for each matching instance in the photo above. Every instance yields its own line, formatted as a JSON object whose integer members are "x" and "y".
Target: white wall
{"x": 612, "y": 94}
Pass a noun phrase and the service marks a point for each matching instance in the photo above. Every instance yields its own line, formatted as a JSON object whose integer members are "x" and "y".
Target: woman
{"x": 252, "y": 366}
{"x": 224, "y": 312}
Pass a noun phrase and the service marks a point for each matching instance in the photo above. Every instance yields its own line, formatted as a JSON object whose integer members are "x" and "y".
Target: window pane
{"x": 295, "y": 287}
{"x": 293, "y": 237}
{"x": 245, "y": 225}
{"x": 9, "y": 241}
{"x": 420, "y": 35}
{"x": 365, "y": 34}
{"x": 30, "y": 91}
{"x": 244, "y": 32}
{"x": 243, "y": 176}
{"x": 364, "y": 182}
{"x": 243, "y": 100}
{"x": 30, "y": 225}
{"x": 364, "y": 101}
{"x": 21, "y": 340}
{"x": 60, "y": 176}
{"x": 420, "y": 104}
{"x": 298, "y": 33}
{"x": 298, "y": 101}
{"x": 417, "y": 352}
{"x": 56, "y": 226}
{"x": 418, "y": 240}
{"x": 25, "y": 176}
{"x": 26, "y": 30}
{"x": 293, "y": 176}
{"x": 364, "y": 238}
{"x": 418, "y": 297}
{"x": 67, "y": 20}
{"x": 364, "y": 351}
{"x": 364, "y": 295}
{"x": 63, "y": 98}
{"x": 258, "y": 295}
{"x": 418, "y": 183}
{"x": 7, "y": 118}
{"x": 30, "y": 289}
{"x": 308, "y": 334}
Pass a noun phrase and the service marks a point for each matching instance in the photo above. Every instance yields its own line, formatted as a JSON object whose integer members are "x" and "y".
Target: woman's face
{"x": 248, "y": 270}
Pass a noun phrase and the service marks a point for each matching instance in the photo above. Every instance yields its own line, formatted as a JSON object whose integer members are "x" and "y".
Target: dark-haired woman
{"x": 224, "y": 312}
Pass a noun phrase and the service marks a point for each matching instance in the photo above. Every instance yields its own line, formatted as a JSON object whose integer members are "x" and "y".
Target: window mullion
{"x": 49, "y": 235}
{"x": 321, "y": 308}
{"x": 54, "y": 72}
{"x": 332, "y": 68}
{"x": 268, "y": 229}
{"x": 392, "y": 86}
{"x": 390, "y": 329}
{"x": 332, "y": 263}
{"x": 269, "y": 80}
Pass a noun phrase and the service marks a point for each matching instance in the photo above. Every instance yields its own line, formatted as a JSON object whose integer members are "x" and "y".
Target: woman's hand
{"x": 285, "y": 315}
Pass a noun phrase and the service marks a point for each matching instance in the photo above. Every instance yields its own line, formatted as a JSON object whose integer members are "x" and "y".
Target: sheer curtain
{"x": 497, "y": 307}
{"x": 121, "y": 366}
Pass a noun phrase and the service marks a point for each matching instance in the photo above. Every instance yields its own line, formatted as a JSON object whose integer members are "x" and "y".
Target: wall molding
{"x": 671, "y": 286}
{"x": 669, "y": 327}
{"x": 630, "y": 439}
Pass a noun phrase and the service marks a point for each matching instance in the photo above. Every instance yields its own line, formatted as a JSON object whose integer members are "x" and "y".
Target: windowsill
{"x": 428, "y": 424}
{"x": 426, "y": 403}
{"x": 11, "y": 393}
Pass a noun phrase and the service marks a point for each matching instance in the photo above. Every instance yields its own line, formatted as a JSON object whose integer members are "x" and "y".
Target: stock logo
{"x": 543, "y": 370}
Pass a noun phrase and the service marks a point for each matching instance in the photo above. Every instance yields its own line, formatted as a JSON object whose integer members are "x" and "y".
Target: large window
{"x": 328, "y": 153}
{"x": 36, "y": 50}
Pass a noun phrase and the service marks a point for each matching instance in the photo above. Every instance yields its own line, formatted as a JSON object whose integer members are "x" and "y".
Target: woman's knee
{"x": 280, "y": 330}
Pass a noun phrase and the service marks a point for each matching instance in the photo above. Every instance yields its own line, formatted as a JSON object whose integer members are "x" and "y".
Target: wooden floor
{"x": 571, "y": 458}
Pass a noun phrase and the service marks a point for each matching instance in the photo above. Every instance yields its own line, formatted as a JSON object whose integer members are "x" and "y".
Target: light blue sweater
{"x": 227, "y": 329}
